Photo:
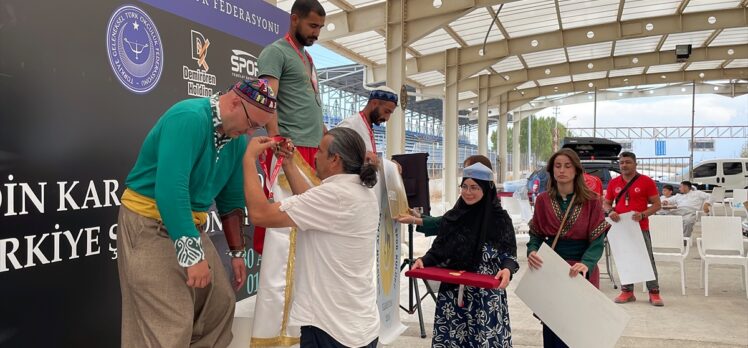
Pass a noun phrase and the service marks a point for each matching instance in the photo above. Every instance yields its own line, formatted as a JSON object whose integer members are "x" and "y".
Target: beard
{"x": 304, "y": 40}
{"x": 374, "y": 117}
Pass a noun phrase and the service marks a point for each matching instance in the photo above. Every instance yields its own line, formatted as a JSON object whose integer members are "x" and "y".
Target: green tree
{"x": 542, "y": 137}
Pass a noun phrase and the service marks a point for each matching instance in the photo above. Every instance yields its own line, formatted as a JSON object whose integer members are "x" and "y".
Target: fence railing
{"x": 672, "y": 169}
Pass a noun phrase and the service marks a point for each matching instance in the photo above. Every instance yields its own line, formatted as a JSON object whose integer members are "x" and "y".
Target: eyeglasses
{"x": 252, "y": 125}
{"x": 470, "y": 188}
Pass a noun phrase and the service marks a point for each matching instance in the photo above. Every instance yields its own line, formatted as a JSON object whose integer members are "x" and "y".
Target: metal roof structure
{"x": 505, "y": 54}
{"x": 545, "y": 47}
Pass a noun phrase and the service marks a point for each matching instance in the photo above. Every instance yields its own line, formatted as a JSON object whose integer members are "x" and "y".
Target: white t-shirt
{"x": 334, "y": 286}
{"x": 356, "y": 122}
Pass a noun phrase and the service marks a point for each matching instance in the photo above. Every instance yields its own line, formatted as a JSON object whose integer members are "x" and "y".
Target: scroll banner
{"x": 391, "y": 192}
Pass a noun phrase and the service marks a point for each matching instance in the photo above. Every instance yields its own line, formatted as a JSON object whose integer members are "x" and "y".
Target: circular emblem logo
{"x": 618, "y": 189}
{"x": 134, "y": 49}
{"x": 637, "y": 190}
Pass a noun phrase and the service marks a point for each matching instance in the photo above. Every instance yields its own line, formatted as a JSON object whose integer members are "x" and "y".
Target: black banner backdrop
{"x": 76, "y": 106}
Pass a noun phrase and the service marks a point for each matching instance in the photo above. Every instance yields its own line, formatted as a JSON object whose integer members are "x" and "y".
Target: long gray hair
{"x": 347, "y": 144}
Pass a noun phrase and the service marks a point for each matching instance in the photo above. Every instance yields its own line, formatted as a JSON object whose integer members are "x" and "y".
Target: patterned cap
{"x": 384, "y": 93}
{"x": 258, "y": 92}
{"x": 478, "y": 171}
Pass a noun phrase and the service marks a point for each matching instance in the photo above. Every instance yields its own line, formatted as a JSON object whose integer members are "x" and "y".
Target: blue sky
{"x": 711, "y": 110}
{"x": 324, "y": 58}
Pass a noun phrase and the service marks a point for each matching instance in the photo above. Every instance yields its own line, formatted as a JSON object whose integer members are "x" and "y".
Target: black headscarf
{"x": 466, "y": 228}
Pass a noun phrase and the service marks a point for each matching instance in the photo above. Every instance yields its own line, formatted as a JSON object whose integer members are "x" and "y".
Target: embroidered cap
{"x": 478, "y": 171}
{"x": 384, "y": 93}
{"x": 258, "y": 92}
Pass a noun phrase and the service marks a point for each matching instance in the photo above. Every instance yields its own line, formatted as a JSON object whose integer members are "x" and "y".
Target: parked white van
{"x": 731, "y": 173}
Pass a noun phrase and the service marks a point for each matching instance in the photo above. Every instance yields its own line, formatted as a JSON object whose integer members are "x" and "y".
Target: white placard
{"x": 573, "y": 308}
{"x": 629, "y": 251}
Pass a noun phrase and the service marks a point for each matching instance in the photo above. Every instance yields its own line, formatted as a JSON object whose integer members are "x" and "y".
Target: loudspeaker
{"x": 682, "y": 52}
{"x": 416, "y": 179}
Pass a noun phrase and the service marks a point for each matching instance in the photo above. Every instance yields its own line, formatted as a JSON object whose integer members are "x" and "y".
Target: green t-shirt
{"x": 177, "y": 167}
{"x": 299, "y": 109}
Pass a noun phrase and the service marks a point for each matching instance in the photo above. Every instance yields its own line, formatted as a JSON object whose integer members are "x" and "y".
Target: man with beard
{"x": 381, "y": 105}
{"x": 290, "y": 70}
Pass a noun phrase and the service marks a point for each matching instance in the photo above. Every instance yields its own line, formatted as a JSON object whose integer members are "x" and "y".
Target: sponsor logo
{"x": 134, "y": 48}
{"x": 243, "y": 64}
{"x": 199, "y": 82}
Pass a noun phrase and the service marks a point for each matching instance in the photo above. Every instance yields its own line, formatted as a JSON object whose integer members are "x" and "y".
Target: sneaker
{"x": 625, "y": 296}
{"x": 654, "y": 299}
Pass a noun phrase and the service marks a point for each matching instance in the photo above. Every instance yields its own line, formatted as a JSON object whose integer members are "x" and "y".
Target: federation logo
{"x": 637, "y": 190}
{"x": 134, "y": 48}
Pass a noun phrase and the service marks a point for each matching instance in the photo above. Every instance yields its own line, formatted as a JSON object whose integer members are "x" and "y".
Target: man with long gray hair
{"x": 337, "y": 222}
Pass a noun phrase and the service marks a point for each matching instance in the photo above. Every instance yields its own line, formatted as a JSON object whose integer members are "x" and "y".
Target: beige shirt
{"x": 335, "y": 287}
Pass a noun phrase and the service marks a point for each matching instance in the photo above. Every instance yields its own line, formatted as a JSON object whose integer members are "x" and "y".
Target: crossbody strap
{"x": 625, "y": 188}
{"x": 563, "y": 221}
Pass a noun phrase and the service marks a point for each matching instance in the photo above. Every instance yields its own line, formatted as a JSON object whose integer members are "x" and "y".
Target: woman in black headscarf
{"x": 476, "y": 236}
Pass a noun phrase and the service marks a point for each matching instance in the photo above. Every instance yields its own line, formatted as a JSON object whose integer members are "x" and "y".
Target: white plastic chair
{"x": 514, "y": 209}
{"x": 666, "y": 232}
{"x": 718, "y": 202}
{"x": 722, "y": 234}
{"x": 511, "y": 205}
{"x": 738, "y": 197}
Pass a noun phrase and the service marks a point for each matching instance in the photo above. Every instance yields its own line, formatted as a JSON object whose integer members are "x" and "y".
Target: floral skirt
{"x": 483, "y": 321}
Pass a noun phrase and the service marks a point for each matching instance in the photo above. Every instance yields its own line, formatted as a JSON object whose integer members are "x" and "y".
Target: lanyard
{"x": 371, "y": 132}
{"x": 265, "y": 160}
{"x": 313, "y": 75}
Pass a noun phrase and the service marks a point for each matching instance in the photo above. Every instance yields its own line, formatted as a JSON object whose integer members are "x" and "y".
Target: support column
{"x": 515, "y": 144}
{"x": 395, "y": 37}
{"x": 483, "y": 116}
{"x": 594, "y": 116}
{"x": 450, "y": 128}
{"x": 530, "y": 166}
{"x": 502, "y": 136}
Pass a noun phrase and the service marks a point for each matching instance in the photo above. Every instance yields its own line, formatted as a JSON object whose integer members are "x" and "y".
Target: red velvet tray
{"x": 455, "y": 277}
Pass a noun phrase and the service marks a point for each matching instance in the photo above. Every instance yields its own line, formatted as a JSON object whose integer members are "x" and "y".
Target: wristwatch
{"x": 237, "y": 253}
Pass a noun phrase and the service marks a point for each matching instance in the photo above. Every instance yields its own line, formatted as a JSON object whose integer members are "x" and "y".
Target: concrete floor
{"x": 720, "y": 320}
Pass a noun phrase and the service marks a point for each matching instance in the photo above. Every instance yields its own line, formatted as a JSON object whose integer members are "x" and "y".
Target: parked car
{"x": 599, "y": 157}
{"x": 729, "y": 173}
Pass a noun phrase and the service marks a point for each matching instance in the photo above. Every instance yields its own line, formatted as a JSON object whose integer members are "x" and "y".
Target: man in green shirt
{"x": 290, "y": 70}
{"x": 174, "y": 290}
